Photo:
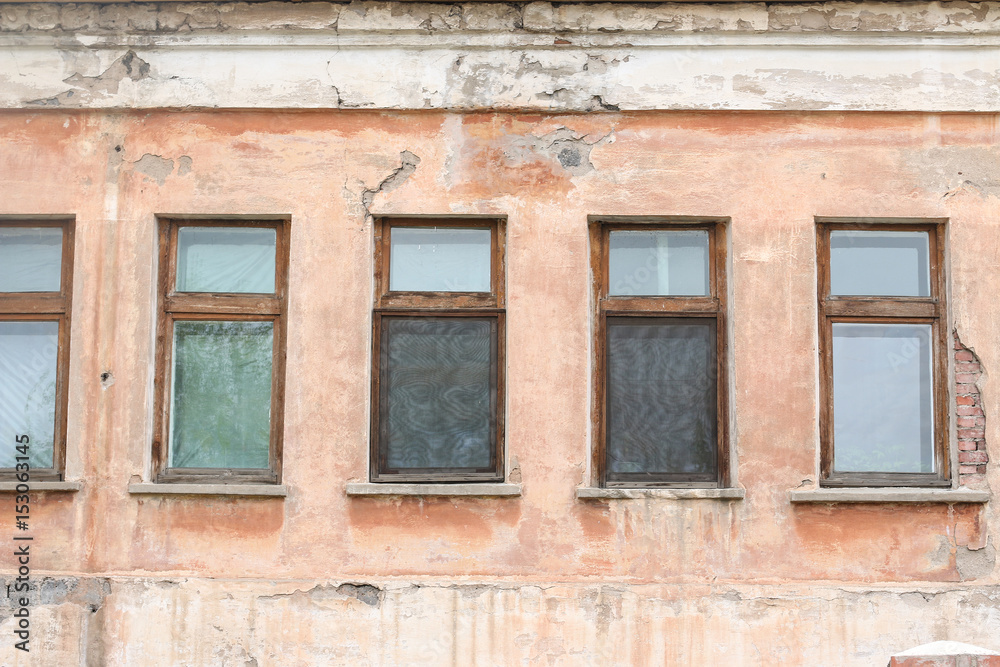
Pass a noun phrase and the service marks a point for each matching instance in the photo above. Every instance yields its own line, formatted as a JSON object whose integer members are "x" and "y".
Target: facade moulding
{"x": 534, "y": 57}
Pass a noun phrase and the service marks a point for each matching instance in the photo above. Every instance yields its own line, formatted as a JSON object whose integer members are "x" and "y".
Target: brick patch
{"x": 971, "y": 422}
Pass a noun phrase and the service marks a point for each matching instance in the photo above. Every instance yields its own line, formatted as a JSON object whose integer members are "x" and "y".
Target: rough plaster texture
{"x": 543, "y": 578}
{"x": 535, "y": 56}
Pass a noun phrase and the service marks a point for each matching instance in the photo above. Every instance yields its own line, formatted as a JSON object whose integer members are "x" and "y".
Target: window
{"x": 36, "y": 269}
{"x": 438, "y": 350}
{"x": 882, "y": 353}
{"x": 659, "y": 368}
{"x": 221, "y": 351}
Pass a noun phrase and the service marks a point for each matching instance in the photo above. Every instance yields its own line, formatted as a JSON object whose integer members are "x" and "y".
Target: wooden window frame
{"x": 175, "y": 306}
{"x": 884, "y": 310}
{"x": 713, "y": 306}
{"x": 52, "y": 307}
{"x": 439, "y": 305}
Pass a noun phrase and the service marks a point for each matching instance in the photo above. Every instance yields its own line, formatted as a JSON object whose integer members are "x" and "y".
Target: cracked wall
{"x": 216, "y": 580}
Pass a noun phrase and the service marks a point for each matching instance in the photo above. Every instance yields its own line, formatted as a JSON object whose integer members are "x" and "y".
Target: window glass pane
{"x": 870, "y": 263}
{"x": 446, "y": 259}
{"x": 882, "y": 398}
{"x": 220, "y": 410}
{"x": 30, "y": 259}
{"x": 28, "y": 358}
{"x": 659, "y": 263}
{"x": 437, "y": 392}
{"x": 225, "y": 259}
{"x": 661, "y": 396}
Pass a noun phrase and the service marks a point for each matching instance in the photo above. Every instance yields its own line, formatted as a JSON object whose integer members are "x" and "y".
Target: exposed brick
{"x": 963, "y": 354}
{"x": 967, "y": 422}
{"x": 969, "y": 411}
{"x": 965, "y": 378}
{"x": 972, "y": 479}
{"x": 967, "y": 445}
{"x": 972, "y": 457}
{"x": 968, "y": 367}
{"x": 971, "y": 469}
{"x": 967, "y": 400}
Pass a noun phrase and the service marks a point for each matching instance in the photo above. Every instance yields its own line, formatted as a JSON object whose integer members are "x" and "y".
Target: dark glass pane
{"x": 661, "y": 396}
{"x": 220, "y": 412}
{"x": 658, "y": 262}
{"x": 226, "y": 259}
{"x": 438, "y": 407}
{"x": 879, "y": 263}
{"x": 30, "y": 259}
{"x": 29, "y": 354}
{"x": 882, "y": 398}
{"x": 446, "y": 259}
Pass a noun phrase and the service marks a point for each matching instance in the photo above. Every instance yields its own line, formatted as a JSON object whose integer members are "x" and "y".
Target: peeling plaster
{"x": 129, "y": 66}
{"x": 154, "y": 166}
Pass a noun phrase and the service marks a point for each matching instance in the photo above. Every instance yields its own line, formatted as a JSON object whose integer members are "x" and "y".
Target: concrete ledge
{"x": 888, "y": 495}
{"x": 594, "y": 493}
{"x": 65, "y": 487}
{"x": 274, "y": 490}
{"x": 472, "y": 489}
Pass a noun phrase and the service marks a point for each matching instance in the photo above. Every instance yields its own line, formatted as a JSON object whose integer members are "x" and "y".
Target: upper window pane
{"x": 882, "y": 398}
{"x": 439, "y": 259}
{"x": 30, "y": 259}
{"x": 659, "y": 263}
{"x": 226, "y": 259}
{"x": 879, "y": 263}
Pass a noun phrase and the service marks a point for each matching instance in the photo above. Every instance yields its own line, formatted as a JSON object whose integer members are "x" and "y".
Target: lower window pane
{"x": 29, "y": 353}
{"x": 220, "y": 410}
{"x": 661, "y": 398}
{"x": 882, "y": 398}
{"x": 437, "y": 393}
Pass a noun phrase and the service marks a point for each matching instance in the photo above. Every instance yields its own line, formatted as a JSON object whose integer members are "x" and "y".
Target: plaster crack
{"x": 409, "y": 162}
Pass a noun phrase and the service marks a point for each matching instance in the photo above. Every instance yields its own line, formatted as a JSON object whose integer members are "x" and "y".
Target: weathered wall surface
{"x": 546, "y": 113}
{"x": 925, "y": 56}
{"x": 203, "y": 580}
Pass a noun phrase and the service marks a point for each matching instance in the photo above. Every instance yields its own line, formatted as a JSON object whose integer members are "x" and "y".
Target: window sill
{"x": 62, "y": 487}
{"x": 595, "y": 493}
{"x": 265, "y": 490}
{"x": 471, "y": 489}
{"x": 888, "y": 495}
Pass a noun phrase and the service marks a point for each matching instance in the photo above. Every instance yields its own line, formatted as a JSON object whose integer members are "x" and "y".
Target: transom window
{"x": 221, "y": 350}
{"x": 660, "y": 399}
{"x": 882, "y": 337}
{"x": 36, "y": 270}
{"x": 438, "y": 321}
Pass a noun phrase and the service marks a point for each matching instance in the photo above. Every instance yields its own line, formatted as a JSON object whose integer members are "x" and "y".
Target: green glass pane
{"x": 28, "y": 359}
{"x": 226, "y": 259}
{"x": 30, "y": 259}
{"x": 220, "y": 412}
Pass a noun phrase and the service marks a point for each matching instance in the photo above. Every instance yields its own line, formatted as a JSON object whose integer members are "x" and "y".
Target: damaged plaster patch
{"x": 366, "y": 593}
{"x": 976, "y": 564}
{"x": 184, "y": 164}
{"x": 86, "y": 592}
{"x": 129, "y": 66}
{"x": 408, "y": 165}
{"x": 154, "y": 166}
{"x": 569, "y": 149}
